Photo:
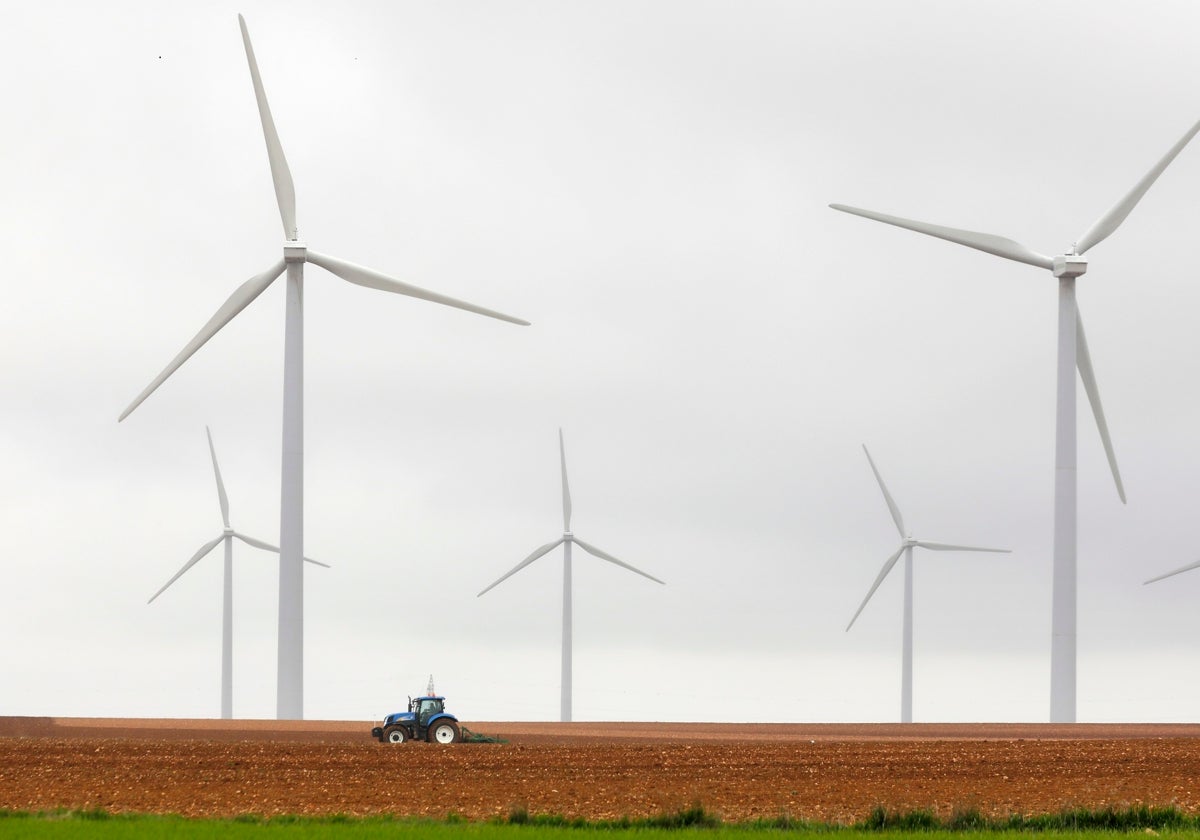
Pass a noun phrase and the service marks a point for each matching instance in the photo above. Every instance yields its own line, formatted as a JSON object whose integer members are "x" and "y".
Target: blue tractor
{"x": 425, "y": 720}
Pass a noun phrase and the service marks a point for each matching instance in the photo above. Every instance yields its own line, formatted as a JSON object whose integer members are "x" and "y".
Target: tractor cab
{"x": 424, "y": 708}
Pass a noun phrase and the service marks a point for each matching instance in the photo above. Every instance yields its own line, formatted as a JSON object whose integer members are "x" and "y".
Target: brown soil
{"x": 594, "y": 770}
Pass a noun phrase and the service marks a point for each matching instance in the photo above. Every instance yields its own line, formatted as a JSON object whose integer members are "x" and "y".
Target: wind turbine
{"x": 290, "y": 697}
{"x": 1072, "y": 354}
{"x": 566, "y": 541}
{"x": 226, "y": 536}
{"x": 906, "y": 548}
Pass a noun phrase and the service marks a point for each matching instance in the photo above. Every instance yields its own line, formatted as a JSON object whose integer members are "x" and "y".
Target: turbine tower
{"x": 226, "y": 536}
{"x": 290, "y": 697}
{"x": 906, "y": 548}
{"x": 566, "y": 541}
{"x": 1072, "y": 354}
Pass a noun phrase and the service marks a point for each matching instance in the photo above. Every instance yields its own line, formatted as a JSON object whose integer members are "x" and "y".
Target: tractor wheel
{"x": 444, "y": 732}
{"x": 395, "y": 735}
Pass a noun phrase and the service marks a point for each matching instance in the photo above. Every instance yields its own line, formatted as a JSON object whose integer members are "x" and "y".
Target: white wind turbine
{"x": 566, "y": 540}
{"x": 1072, "y": 354}
{"x": 906, "y": 546}
{"x": 290, "y": 698}
{"x": 227, "y": 536}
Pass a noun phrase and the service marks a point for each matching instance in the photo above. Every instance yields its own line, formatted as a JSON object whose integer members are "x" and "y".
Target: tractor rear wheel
{"x": 444, "y": 732}
{"x": 395, "y": 735}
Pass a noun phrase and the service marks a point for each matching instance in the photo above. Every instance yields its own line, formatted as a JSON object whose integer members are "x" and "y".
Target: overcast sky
{"x": 647, "y": 182}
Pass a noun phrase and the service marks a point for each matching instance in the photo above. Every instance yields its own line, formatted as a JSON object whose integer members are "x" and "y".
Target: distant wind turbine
{"x": 906, "y": 546}
{"x": 290, "y": 698}
{"x": 566, "y": 540}
{"x": 1072, "y": 354}
{"x": 227, "y": 590}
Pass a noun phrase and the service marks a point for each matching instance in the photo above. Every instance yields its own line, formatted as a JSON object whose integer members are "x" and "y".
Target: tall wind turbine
{"x": 1072, "y": 354}
{"x": 226, "y": 536}
{"x": 290, "y": 698}
{"x": 566, "y": 540}
{"x": 907, "y": 543}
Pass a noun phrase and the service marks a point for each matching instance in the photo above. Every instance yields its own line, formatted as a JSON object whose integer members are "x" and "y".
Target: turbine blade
{"x": 239, "y": 300}
{"x": 936, "y": 546}
{"x": 374, "y": 280}
{"x": 891, "y": 503}
{"x": 266, "y": 546}
{"x": 1110, "y": 221}
{"x": 562, "y": 451}
{"x": 985, "y": 242}
{"x": 204, "y": 549}
{"x": 1083, "y": 361}
{"x": 887, "y": 567}
{"x": 591, "y": 549}
{"x": 220, "y": 484}
{"x": 285, "y": 191}
{"x": 536, "y": 554}
{"x": 1181, "y": 569}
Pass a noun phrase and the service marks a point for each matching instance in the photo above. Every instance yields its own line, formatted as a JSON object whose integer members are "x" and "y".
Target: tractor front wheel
{"x": 395, "y": 735}
{"x": 444, "y": 732}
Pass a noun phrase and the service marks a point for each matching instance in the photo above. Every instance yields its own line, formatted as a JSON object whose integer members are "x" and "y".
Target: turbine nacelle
{"x": 295, "y": 252}
{"x": 1070, "y": 265}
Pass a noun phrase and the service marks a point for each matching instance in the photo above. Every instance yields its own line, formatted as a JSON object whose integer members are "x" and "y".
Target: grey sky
{"x": 647, "y": 183}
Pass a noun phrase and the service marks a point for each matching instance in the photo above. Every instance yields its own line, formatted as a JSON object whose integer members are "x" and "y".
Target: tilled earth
{"x": 596, "y": 771}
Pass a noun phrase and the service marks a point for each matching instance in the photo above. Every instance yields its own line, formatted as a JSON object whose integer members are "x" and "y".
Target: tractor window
{"x": 429, "y": 707}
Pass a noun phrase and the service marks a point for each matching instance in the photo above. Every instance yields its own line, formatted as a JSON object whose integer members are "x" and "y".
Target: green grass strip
{"x": 1135, "y": 818}
{"x": 519, "y": 824}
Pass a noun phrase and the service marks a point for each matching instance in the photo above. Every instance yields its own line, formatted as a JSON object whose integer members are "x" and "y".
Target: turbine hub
{"x": 228, "y": 532}
{"x": 568, "y": 536}
{"x": 294, "y": 251}
{"x": 1070, "y": 265}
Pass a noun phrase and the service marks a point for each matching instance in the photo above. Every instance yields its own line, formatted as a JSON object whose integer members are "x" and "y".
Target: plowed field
{"x": 825, "y": 772}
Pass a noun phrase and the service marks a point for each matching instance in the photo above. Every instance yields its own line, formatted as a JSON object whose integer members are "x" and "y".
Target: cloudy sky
{"x": 647, "y": 182}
